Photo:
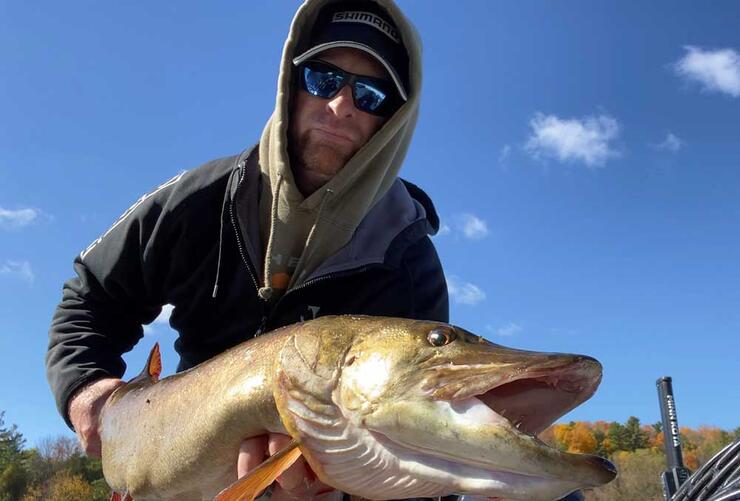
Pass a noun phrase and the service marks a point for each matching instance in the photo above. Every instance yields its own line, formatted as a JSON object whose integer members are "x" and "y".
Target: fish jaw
{"x": 471, "y": 449}
{"x": 389, "y": 416}
{"x": 481, "y": 412}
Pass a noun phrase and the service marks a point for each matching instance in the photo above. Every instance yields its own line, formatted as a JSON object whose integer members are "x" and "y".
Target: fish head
{"x": 399, "y": 408}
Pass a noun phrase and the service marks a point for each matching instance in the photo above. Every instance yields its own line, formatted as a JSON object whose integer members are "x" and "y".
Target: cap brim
{"x": 354, "y": 45}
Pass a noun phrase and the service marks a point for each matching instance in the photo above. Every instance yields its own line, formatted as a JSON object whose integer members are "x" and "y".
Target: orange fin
{"x": 257, "y": 480}
{"x": 116, "y": 496}
{"x": 154, "y": 363}
{"x": 151, "y": 372}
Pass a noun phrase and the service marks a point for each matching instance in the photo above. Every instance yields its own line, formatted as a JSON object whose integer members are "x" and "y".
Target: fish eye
{"x": 440, "y": 336}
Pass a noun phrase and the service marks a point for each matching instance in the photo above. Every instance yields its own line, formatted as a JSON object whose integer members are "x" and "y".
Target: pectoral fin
{"x": 249, "y": 486}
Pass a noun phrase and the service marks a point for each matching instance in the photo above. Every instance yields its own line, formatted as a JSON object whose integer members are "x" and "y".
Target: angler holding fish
{"x": 310, "y": 222}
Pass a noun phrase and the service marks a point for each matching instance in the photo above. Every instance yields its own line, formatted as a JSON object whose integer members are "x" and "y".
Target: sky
{"x": 584, "y": 158}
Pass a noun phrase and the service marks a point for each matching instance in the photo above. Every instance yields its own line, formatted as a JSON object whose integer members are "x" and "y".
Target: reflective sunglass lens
{"x": 368, "y": 98}
{"x": 321, "y": 83}
{"x": 371, "y": 95}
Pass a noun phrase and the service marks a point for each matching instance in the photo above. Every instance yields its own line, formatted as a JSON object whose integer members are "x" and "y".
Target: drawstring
{"x": 266, "y": 292}
{"x": 327, "y": 193}
{"x": 221, "y": 233}
{"x": 324, "y": 199}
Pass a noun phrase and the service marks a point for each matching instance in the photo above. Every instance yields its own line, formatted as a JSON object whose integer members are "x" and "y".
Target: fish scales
{"x": 432, "y": 406}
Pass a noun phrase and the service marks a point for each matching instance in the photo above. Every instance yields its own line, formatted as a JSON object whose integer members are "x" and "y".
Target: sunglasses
{"x": 371, "y": 95}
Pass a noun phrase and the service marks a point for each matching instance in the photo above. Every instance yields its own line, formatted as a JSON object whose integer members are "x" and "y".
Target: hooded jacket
{"x": 194, "y": 243}
{"x": 336, "y": 209}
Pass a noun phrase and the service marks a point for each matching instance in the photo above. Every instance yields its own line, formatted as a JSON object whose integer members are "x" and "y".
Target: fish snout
{"x": 604, "y": 470}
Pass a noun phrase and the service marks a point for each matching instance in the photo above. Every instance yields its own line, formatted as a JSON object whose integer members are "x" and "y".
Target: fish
{"x": 379, "y": 407}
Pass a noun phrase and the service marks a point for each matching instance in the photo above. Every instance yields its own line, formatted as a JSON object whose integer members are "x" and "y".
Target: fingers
{"x": 84, "y": 413}
{"x": 90, "y": 441}
{"x": 297, "y": 482}
{"x": 252, "y": 452}
{"x": 296, "y": 476}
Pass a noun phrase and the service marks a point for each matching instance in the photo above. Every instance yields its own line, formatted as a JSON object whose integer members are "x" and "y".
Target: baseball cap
{"x": 364, "y": 26}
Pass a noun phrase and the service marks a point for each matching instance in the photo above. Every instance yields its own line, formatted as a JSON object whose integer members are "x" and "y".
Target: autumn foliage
{"x": 637, "y": 451}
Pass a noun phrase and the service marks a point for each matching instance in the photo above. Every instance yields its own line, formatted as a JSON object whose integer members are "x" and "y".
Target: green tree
{"x": 101, "y": 490}
{"x": 13, "y": 481}
{"x": 11, "y": 443}
{"x": 617, "y": 436}
{"x": 635, "y": 437}
{"x": 599, "y": 435}
{"x": 13, "y": 472}
{"x": 38, "y": 469}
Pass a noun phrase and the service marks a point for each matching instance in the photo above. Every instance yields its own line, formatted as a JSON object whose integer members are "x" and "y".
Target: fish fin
{"x": 116, "y": 496}
{"x": 152, "y": 369}
{"x": 257, "y": 480}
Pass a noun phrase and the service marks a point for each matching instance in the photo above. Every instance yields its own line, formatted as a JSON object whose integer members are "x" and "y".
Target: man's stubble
{"x": 316, "y": 161}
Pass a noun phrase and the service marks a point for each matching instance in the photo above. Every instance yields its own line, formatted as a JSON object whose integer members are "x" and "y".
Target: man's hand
{"x": 297, "y": 482}
{"x": 84, "y": 411}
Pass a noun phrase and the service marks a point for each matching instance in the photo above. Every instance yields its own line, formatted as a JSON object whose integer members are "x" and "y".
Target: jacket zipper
{"x": 361, "y": 269}
{"x": 263, "y": 320}
{"x": 322, "y": 278}
{"x": 236, "y": 231}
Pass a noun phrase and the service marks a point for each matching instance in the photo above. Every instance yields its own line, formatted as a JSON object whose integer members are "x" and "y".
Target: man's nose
{"x": 342, "y": 104}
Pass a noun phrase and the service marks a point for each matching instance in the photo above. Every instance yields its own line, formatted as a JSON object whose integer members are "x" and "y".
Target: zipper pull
{"x": 265, "y": 293}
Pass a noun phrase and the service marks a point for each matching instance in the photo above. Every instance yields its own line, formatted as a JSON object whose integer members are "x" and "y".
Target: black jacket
{"x": 194, "y": 243}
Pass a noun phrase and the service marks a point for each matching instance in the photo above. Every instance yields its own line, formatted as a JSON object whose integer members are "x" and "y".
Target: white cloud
{"x": 467, "y": 225}
{"x": 473, "y": 227}
{"x": 587, "y": 140}
{"x": 671, "y": 143}
{"x": 17, "y": 218}
{"x": 509, "y": 329}
{"x": 162, "y": 319}
{"x": 717, "y": 70}
{"x": 464, "y": 292}
{"x": 21, "y": 269}
{"x": 504, "y": 154}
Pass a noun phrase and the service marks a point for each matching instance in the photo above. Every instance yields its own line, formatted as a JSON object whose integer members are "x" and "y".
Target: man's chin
{"x": 323, "y": 160}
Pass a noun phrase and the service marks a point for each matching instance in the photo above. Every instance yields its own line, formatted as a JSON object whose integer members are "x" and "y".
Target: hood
{"x": 323, "y": 222}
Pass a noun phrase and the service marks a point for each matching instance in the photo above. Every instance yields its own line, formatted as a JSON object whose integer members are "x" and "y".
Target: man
{"x": 312, "y": 221}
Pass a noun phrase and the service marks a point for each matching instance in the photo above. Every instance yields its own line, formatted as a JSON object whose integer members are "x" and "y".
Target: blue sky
{"x": 584, "y": 158}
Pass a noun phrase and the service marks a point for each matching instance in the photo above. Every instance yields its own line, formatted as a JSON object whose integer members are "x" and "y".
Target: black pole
{"x": 676, "y": 474}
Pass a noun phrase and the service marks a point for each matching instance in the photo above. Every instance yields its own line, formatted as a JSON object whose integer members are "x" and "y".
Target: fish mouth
{"x": 533, "y": 400}
{"x": 497, "y": 410}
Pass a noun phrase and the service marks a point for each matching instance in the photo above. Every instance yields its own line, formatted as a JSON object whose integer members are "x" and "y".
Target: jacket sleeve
{"x": 116, "y": 290}
{"x": 428, "y": 281}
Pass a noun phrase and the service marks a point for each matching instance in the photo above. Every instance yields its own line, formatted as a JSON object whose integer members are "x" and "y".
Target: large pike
{"x": 383, "y": 408}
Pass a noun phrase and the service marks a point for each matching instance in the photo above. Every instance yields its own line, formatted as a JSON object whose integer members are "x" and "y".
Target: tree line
{"x": 56, "y": 469}
{"x": 637, "y": 450}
